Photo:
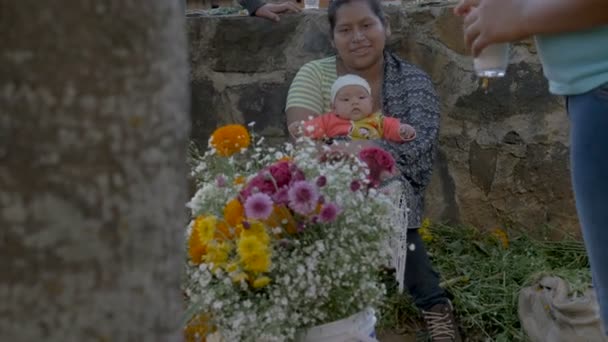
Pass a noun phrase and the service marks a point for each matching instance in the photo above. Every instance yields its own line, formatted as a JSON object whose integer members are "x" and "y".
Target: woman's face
{"x": 359, "y": 35}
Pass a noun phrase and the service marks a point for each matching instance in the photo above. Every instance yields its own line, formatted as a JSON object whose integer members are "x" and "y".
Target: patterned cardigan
{"x": 409, "y": 95}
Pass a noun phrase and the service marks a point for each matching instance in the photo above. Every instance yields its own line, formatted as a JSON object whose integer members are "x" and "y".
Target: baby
{"x": 352, "y": 116}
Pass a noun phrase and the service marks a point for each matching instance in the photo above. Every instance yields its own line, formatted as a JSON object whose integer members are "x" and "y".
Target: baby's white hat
{"x": 347, "y": 80}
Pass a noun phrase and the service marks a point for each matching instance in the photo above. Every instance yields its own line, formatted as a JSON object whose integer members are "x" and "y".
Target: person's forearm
{"x": 251, "y": 5}
{"x": 557, "y": 16}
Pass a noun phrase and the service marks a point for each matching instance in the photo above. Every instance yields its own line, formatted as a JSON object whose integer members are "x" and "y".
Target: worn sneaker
{"x": 441, "y": 324}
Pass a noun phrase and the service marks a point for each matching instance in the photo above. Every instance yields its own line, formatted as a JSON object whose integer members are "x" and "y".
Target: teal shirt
{"x": 575, "y": 63}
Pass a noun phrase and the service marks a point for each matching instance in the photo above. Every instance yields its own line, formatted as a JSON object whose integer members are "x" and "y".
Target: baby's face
{"x": 353, "y": 102}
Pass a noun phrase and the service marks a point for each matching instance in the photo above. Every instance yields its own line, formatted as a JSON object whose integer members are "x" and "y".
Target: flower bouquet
{"x": 281, "y": 240}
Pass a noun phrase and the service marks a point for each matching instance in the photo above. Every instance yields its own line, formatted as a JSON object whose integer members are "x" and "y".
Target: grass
{"x": 483, "y": 273}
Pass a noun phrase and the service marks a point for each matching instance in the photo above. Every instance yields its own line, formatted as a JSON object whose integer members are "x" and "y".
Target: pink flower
{"x": 272, "y": 178}
{"x": 281, "y": 196}
{"x": 385, "y": 161}
{"x": 258, "y": 206}
{"x": 259, "y": 183}
{"x": 303, "y": 197}
{"x": 220, "y": 181}
{"x": 329, "y": 212}
{"x": 321, "y": 181}
{"x": 297, "y": 175}
{"x": 355, "y": 185}
{"x": 281, "y": 173}
{"x": 379, "y": 162}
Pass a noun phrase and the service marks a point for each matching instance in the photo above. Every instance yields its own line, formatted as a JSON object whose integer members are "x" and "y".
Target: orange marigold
{"x": 223, "y": 232}
{"x": 234, "y": 212}
{"x": 282, "y": 217}
{"x": 230, "y": 139}
{"x": 197, "y": 329}
{"x": 196, "y": 247}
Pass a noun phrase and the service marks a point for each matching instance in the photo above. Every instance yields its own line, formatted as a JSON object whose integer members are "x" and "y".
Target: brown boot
{"x": 441, "y": 324}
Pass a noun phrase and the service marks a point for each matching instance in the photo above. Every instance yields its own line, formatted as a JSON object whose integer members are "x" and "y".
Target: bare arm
{"x": 251, "y": 5}
{"x": 559, "y": 16}
{"x": 496, "y": 21}
{"x": 304, "y": 99}
{"x": 269, "y": 11}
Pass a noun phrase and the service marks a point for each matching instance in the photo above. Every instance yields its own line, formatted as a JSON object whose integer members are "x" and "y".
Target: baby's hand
{"x": 407, "y": 132}
{"x": 296, "y": 129}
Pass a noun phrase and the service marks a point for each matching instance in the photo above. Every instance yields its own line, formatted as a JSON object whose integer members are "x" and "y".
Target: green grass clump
{"x": 484, "y": 272}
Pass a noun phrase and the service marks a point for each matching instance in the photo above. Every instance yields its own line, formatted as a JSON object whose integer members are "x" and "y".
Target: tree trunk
{"x": 93, "y": 134}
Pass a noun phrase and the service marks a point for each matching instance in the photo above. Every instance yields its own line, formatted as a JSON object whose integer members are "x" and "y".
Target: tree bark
{"x": 94, "y": 125}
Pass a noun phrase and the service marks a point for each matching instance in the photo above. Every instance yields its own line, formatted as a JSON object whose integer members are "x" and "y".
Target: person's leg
{"x": 589, "y": 159}
{"x": 421, "y": 280}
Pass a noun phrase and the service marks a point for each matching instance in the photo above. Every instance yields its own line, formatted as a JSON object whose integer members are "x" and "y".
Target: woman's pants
{"x": 421, "y": 280}
{"x": 589, "y": 161}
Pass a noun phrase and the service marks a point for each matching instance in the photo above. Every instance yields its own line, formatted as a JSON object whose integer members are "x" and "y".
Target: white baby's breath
{"x": 325, "y": 273}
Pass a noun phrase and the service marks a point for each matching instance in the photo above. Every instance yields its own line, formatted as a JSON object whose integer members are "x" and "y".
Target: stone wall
{"x": 503, "y": 154}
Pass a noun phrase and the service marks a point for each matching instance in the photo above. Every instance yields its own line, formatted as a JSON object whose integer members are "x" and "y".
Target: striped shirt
{"x": 311, "y": 87}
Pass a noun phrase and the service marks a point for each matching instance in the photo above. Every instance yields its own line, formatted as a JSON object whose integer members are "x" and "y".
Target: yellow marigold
{"x": 217, "y": 253}
{"x": 234, "y": 212}
{"x": 230, "y": 139}
{"x": 501, "y": 236}
{"x": 197, "y": 329}
{"x": 257, "y": 230}
{"x": 206, "y": 226}
{"x": 425, "y": 231}
{"x": 196, "y": 247}
{"x": 232, "y": 267}
{"x": 250, "y": 246}
{"x": 259, "y": 263}
{"x": 237, "y": 278}
{"x": 254, "y": 254}
{"x": 426, "y": 223}
{"x": 261, "y": 282}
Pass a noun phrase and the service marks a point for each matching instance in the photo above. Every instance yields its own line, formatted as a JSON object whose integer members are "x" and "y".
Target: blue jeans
{"x": 589, "y": 160}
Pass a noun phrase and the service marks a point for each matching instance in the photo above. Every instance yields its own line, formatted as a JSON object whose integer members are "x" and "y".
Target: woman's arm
{"x": 305, "y": 97}
{"x": 559, "y": 16}
{"x": 297, "y": 114}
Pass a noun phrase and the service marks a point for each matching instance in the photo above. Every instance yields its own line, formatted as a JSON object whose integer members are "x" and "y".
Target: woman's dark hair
{"x": 334, "y": 5}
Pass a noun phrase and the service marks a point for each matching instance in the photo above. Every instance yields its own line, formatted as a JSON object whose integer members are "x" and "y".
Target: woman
{"x": 359, "y": 31}
{"x": 572, "y": 42}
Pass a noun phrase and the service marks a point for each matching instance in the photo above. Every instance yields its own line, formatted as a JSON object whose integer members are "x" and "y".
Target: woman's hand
{"x": 296, "y": 129}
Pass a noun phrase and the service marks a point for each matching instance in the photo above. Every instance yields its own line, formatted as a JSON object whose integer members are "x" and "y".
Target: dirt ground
{"x": 393, "y": 337}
